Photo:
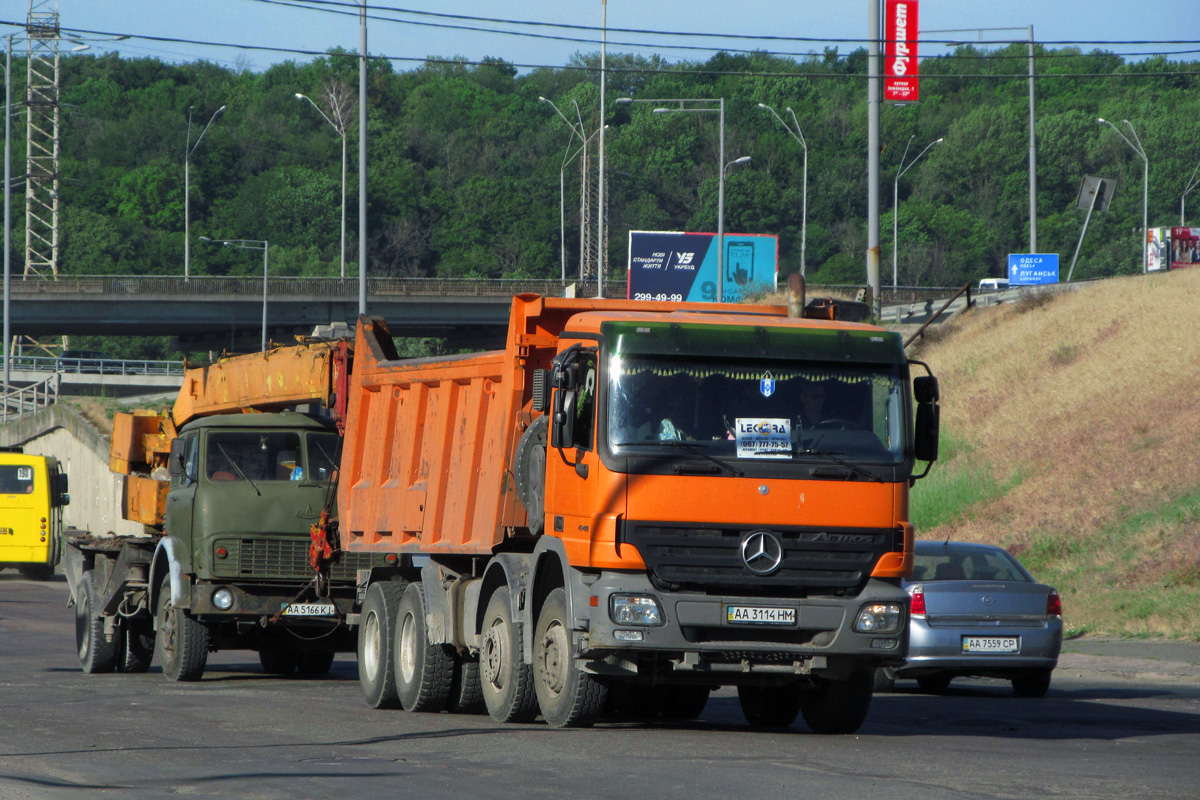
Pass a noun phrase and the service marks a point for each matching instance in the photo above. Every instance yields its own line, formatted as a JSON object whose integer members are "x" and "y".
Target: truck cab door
{"x": 181, "y": 496}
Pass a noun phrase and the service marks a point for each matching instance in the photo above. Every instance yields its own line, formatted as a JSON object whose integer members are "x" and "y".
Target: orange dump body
{"x": 426, "y": 464}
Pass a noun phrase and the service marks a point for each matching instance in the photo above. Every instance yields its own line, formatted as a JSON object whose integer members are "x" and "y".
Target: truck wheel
{"x": 838, "y": 706}
{"x": 137, "y": 645}
{"x": 684, "y": 702}
{"x": 96, "y": 654}
{"x": 314, "y": 662}
{"x": 466, "y": 690}
{"x": 277, "y": 660}
{"x": 182, "y": 642}
{"x": 378, "y": 624}
{"x": 770, "y": 706}
{"x": 567, "y": 696}
{"x": 424, "y": 671}
{"x": 1032, "y": 684}
{"x": 507, "y": 682}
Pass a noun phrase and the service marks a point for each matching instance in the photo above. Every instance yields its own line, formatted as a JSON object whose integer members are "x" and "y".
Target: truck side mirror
{"x": 925, "y": 390}
{"x": 562, "y": 427}
{"x": 175, "y": 461}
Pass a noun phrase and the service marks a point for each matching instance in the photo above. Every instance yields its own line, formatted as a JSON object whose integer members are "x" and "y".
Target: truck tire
{"x": 424, "y": 671}
{"x": 137, "y": 645}
{"x": 182, "y": 642}
{"x": 277, "y": 660}
{"x": 97, "y": 655}
{"x": 466, "y": 690}
{"x": 314, "y": 662}
{"x": 375, "y": 651}
{"x": 770, "y": 706}
{"x": 684, "y": 702}
{"x": 508, "y": 689}
{"x": 1032, "y": 684}
{"x": 838, "y": 706}
{"x": 567, "y": 696}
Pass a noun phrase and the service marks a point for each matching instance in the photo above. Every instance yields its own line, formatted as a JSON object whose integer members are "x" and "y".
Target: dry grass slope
{"x": 1084, "y": 407}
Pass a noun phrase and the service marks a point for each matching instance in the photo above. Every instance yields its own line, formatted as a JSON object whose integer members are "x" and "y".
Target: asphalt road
{"x": 1122, "y": 720}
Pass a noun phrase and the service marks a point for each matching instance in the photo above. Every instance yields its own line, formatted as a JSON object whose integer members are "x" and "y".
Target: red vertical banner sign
{"x": 900, "y": 51}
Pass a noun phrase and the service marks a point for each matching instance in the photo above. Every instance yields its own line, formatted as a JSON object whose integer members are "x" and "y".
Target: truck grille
{"x": 709, "y": 559}
{"x": 270, "y": 559}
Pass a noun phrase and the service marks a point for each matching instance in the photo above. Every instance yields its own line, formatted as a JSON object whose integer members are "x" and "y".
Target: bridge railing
{"x": 29, "y": 399}
{"x": 95, "y": 366}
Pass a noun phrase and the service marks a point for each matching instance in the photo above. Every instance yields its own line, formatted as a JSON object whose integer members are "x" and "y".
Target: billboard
{"x": 1185, "y": 247}
{"x": 1032, "y": 269}
{"x": 672, "y": 266}
{"x": 1158, "y": 249}
{"x": 900, "y": 52}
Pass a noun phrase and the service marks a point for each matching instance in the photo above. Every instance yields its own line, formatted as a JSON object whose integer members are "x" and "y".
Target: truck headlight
{"x": 879, "y": 618}
{"x": 635, "y": 609}
{"x": 223, "y": 599}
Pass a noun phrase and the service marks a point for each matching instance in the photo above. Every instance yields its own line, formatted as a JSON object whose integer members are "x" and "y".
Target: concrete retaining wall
{"x": 82, "y": 452}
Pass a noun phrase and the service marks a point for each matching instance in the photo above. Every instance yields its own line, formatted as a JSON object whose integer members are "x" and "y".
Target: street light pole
{"x": 896, "y": 203}
{"x": 721, "y": 166}
{"x": 362, "y": 162}
{"x": 1137, "y": 148}
{"x": 342, "y": 133}
{"x": 187, "y": 187}
{"x": 7, "y": 214}
{"x": 1192, "y": 184}
{"x": 252, "y": 244}
{"x": 799, "y": 137}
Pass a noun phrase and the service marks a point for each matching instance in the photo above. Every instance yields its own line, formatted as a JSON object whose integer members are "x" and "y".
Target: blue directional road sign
{"x": 1032, "y": 269}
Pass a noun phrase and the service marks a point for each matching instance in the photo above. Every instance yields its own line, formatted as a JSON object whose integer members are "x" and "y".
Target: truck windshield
{"x": 252, "y": 456}
{"x": 746, "y": 409}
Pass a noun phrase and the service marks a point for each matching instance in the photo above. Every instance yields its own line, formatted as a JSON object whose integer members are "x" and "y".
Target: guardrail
{"x": 29, "y": 399}
{"x": 86, "y": 366}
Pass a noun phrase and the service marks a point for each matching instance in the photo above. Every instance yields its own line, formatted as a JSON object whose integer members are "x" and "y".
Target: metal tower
{"x": 41, "y": 172}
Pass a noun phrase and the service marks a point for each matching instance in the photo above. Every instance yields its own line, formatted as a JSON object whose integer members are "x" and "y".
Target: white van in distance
{"x": 992, "y": 285}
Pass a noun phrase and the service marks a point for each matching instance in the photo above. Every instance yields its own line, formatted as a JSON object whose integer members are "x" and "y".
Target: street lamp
{"x": 187, "y": 194}
{"x": 7, "y": 212}
{"x": 562, "y": 198}
{"x": 341, "y": 131}
{"x": 251, "y": 244}
{"x": 1145, "y": 185}
{"x": 799, "y": 137}
{"x": 1193, "y": 182}
{"x": 721, "y": 166}
{"x": 896, "y": 202}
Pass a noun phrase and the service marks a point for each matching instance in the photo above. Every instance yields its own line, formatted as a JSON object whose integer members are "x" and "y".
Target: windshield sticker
{"x": 764, "y": 438}
{"x": 766, "y": 384}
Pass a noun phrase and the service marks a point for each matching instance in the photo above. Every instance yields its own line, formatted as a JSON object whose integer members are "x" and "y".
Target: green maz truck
{"x": 227, "y": 502}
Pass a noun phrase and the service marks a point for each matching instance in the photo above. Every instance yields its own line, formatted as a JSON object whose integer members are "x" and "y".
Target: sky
{"x": 313, "y": 26}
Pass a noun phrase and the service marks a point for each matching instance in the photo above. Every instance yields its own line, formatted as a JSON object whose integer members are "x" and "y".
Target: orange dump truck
{"x": 632, "y": 504}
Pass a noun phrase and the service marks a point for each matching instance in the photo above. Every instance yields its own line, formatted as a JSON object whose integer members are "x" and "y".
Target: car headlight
{"x": 223, "y": 599}
{"x": 879, "y": 618}
{"x": 635, "y": 609}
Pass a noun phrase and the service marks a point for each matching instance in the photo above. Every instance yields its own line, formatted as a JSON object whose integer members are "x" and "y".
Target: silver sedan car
{"x": 975, "y": 611}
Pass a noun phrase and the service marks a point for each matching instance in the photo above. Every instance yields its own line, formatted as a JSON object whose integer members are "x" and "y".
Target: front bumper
{"x": 696, "y": 635}
{"x": 262, "y": 602}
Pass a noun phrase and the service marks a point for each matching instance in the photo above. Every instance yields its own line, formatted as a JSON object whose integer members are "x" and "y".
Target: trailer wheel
{"x": 378, "y": 624}
{"x": 567, "y": 696}
{"x": 508, "y": 689}
{"x": 137, "y": 645}
{"x": 278, "y": 660}
{"x": 182, "y": 642}
{"x": 424, "y": 671}
{"x": 466, "y": 690}
{"x": 96, "y": 654}
{"x": 770, "y": 706}
{"x": 314, "y": 662}
{"x": 838, "y": 706}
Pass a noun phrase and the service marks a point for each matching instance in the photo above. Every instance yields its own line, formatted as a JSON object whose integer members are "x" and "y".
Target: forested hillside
{"x": 465, "y": 161}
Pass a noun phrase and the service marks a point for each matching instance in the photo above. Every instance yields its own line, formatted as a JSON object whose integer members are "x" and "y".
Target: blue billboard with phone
{"x": 681, "y": 267}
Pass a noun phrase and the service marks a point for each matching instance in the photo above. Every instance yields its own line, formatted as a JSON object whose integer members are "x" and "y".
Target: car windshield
{"x": 749, "y": 409}
{"x": 949, "y": 563}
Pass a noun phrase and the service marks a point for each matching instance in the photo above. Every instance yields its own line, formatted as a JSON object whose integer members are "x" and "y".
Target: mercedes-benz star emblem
{"x": 762, "y": 552}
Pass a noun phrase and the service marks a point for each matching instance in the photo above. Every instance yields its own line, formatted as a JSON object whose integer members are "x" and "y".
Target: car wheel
{"x": 885, "y": 679}
{"x": 935, "y": 683}
{"x": 1032, "y": 684}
